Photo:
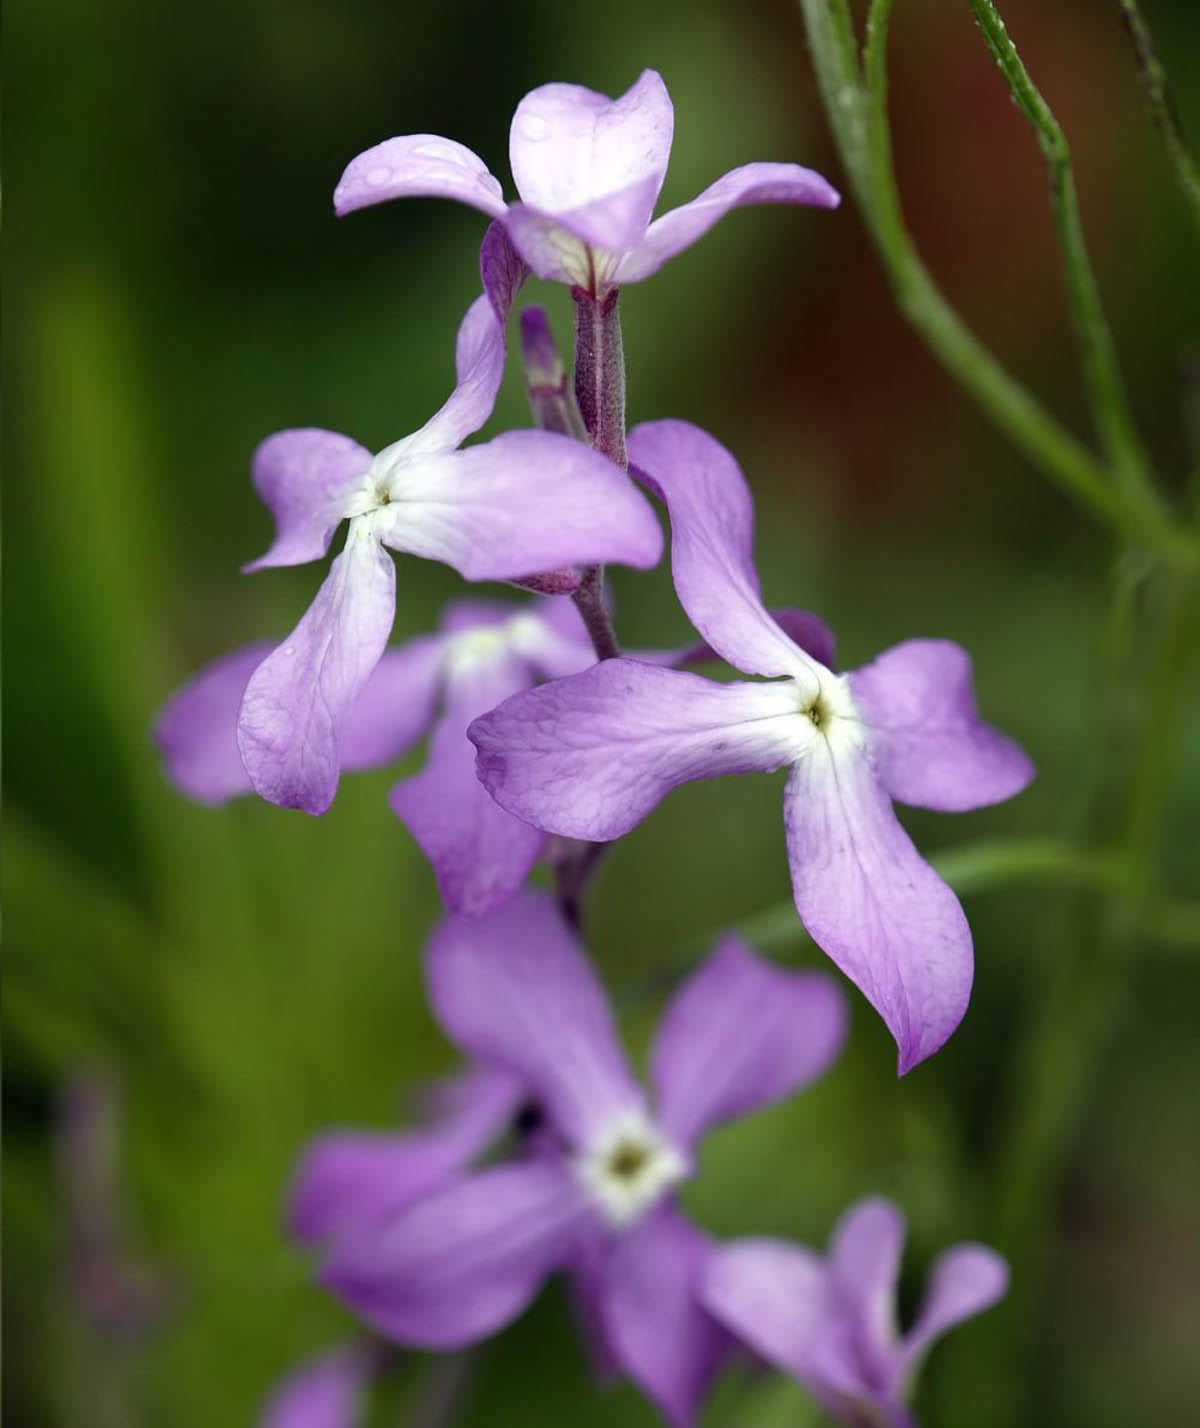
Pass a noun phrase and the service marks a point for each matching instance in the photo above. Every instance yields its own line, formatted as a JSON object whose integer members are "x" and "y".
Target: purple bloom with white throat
{"x": 525, "y": 502}
{"x": 588, "y": 170}
{"x": 831, "y": 1323}
{"x": 591, "y": 1189}
{"x": 590, "y": 756}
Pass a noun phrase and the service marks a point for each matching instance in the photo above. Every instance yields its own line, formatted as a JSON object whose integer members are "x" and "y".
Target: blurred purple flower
{"x": 831, "y": 1323}
{"x": 591, "y": 1189}
{"x": 326, "y": 1392}
{"x": 588, "y": 170}
{"x": 590, "y": 756}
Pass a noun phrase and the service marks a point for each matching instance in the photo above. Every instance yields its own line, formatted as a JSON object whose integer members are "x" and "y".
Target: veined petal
{"x": 752, "y": 183}
{"x": 527, "y": 501}
{"x": 196, "y": 732}
{"x": 464, "y": 1261}
{"x": 655, "y": 1327}
{"x": 515, "y": 989}
{"x": 303, "y": 477}
{"x": 964, "y": 1281}
{"x": 396, "y": 705}
{"x": 740, "y": 1034}
{"x": 712, "y": 538}
{"x": 294, "y": 710}
{"x": 590, "y": 756}
{"x": 479, "y": 368}
{"x": 582, "y": 245}
{"x": 328, "y": 1392}
{"x": 773, "y": 1296}
{"x": 864, "y": 1269}
{"x": 418, "y": 166}
{"x": 480, "y": 854}
{"x": 871, "y": 902}
{"x": 570, "y": 146}
{"x": 502, "y": 269}
{"x": 930, "y": 746}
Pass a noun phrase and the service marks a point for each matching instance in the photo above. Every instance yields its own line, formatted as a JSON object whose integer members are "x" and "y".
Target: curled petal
{"x": 303, "y": 477}
{"x": 752, "y": 183}
{"x": 964, "y": 1282}
{"x": 502, "y": 269}
{"x": 712, "y": 540}
{"x": 739, "y": 1034}
{"x": 296, "y": 704}
{"x": 418, "y": 166}
{"x": 479, "y": 368}
{"x": 466, "y": 1260}
{"x": 329, "y": 1392}
{"x": 774, "y": 1297}
{"x": 515, "y": 989}
{"x": 930, "y": 746}
{"x": 590, "y": 756}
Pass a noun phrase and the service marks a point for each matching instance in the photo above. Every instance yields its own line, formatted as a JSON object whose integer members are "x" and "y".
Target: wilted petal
{"x": 196, "y": 732}
{"x": 871, "y": 902}
{"x": 929, "y": 744}
{"x": 590, "y": 756}
{"x": 466, "y": 1260}
{"x": 654, "y": 1324}
{"x": 570, "y": 146}
{"x": 864, "y": 1269}
{"x": 304, "y": 477}
{"x": 514, "y": 988}
{"x": 752, "y": 183}
{"x": 418, "y": 166}
{"x": 964, "y": 1282}
{"x": 773, "y": 1296}
{"x": 329, "y": 1392}
{"x": 294, "y": 711}
{"x": 712, "y": 541}
{"x": 739, "y": 1034}
{"x": 527, "y": 501}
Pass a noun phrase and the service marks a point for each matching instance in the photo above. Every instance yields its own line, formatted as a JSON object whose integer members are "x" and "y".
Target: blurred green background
{"x": 233, "y": 980}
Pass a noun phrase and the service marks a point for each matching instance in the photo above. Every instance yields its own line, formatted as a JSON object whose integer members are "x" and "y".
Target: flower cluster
{"x": 544, "y": 1155}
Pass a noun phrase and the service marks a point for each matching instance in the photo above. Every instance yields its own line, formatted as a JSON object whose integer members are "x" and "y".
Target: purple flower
{"x": 588, "y": 170}
{"x": 591, "y": 1188}
{"x": 526, "y": 502}
{"x": 327, "y": 1392}
{"x": 831, "y": 1323}
{"x": 590, "y": 756}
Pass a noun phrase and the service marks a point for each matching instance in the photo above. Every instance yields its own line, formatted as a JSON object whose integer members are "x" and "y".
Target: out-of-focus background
{"x": 192, "y": 993}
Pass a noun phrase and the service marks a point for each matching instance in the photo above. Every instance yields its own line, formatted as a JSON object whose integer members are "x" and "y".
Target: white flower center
{"x": 829, "y": 709}
{"x": 629, "y": 1168}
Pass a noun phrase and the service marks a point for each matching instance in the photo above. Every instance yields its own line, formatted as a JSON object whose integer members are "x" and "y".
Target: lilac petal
{"x": 579, "y": 245}
{"x": 328, "y": 1392}
{"x": 871, "y": 902}
{"x": 396, "y": 705}
{"x": 479, "y": 368}
{"x": 569, "y": 146}
{"x": 527, "y": 501}
{"x": 418, "y": 166}
{"x": 864, "y": 1268}
{"x": 739, "y": 1034}
{"x": 196, "y": 731}
{"x": 655, "y": 1326}
{"x": 515, "y": 989}
{"x": 752, "y": 183}
{"x": 964, "y": 1282}
{"x": 590, "y": 756}
{"x": 304, "y": 476}
{"x": 466, "y": 1260}
{"x": 502, "y": 269}
{"x": 930, "y": 746}
{"x": 480, "y": 854}
{"x": 296, "y": 704}
{"x": 773, "y": 1296}
{"x": 712, "y": 537}
{"x": 810, "y": 632}
{"x": 347, "y": 1179}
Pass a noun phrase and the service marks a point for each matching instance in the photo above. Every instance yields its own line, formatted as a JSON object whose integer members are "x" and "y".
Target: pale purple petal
{"x": 466, "y": 1260}
{"x": 741, "y": 1033}
{"x": 304, "y": 477}
{"x": 480, "y": 854}
{"x": 810, "y": 632}
{"x": 569, "y": 146}
{"x": 527, "y": 501}
{"x": 577, "y": 245}
{"x": 712, "y": 542}
{"x": 502, "y": 269}
{"x": 964, "y": 1281}
{"x": 871, "y": 902}
{"x": 929, "y": 744}
{"x": 294, "y": 711}
{"x": 773, "y": 1296}
{"x": 752, "y": 183}
{"x": 590, "y": 756}
{"x": 328, "y": 1392}
{"x": 479, "y": 368}
{"x": 196, "y": 732}
{"x": 515, "y": 989}
{"x": 864, "y": 1269}
{"x": 654, "y": 1324}
{"x": 396, "y": 705}
{"x": 418, "y": 166}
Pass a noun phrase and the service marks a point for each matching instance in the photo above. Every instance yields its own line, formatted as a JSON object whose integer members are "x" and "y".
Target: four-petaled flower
{"x": 831, "y": 1323}
{"x": 588, "y": 170}
{"x": 590, "y": 756}
{"x": 591, "y": 1188}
